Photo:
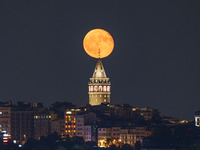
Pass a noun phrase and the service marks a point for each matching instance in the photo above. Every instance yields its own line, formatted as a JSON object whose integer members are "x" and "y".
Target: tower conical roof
{"x": 99, "y": 71}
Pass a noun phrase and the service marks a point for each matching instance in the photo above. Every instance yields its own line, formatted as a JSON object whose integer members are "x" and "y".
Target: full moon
{"x": 98, "y": 43}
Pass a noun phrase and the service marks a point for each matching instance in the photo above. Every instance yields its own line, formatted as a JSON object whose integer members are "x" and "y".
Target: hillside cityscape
{"x": 96, "y": 125}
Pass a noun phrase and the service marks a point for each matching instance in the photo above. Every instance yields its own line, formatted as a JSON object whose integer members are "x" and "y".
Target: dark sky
{"x": 155, "y": 61}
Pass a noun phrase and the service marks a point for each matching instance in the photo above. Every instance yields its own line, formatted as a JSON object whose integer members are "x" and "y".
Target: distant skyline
{"x": 155, "y": 61}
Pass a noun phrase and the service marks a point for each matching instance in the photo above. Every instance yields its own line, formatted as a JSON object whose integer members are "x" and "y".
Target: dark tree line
{"x": 180, "y": 136}
{"x": 54, "y": 142}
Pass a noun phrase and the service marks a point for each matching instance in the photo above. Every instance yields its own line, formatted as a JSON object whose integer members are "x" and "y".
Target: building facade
{"x": 147, "y": 113}
{"x": 70, "y": 122}
{"x": 5, "y": 120}
{"x": 58, "y": 125}
{"x": 22, "y": 125}
{"x": 104, "y": 136}
{"x": 85, "y": 127}
{"x": 87, "y": 133}
{"x": 131, "y": 136}
{"x": 42, "y": 125}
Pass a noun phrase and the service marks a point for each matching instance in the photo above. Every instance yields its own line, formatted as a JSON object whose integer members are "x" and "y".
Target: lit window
{"x": 1, "y": 113}
{"x": 104, "y": 88}
{"x": 108, "y": 88}
{"x": 89, "y": 89}
{"x": 100, "y": 88}
{"x": 68, "y": 112}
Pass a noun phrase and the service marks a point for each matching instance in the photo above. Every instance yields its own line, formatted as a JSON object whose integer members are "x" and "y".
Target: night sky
{"x": 155, "y": 61}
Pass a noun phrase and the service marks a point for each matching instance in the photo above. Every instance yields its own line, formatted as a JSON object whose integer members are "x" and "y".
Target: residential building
{"x": 80, "y": 125}
{"x": 148, "y": 113}
{"x": 87, "y": 133}
{"x": 116, "y": 131}
{"x": 85, "y": 127}
{"x": 70, "y": 122}
{"x": 130, "y": 136}
{"x": 104, "y": 136}
{"x": 22, "y": 125}
{"x": 42, "y": 124}
{"x": 58, "y": 125}
{"x": 5, "y": 118}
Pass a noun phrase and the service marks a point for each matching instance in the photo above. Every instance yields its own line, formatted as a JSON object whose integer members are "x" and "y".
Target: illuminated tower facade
{"x": 99, "y": 86}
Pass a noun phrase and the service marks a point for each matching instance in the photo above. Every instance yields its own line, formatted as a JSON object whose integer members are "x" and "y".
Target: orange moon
{"x": 98, "y": 43}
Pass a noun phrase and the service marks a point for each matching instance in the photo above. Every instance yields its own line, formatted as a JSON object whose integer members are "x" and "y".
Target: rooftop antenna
{"x": 99, "y": 53}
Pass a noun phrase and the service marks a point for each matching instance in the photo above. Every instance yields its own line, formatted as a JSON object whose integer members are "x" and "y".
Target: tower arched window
{"x": 100, "y": 88}
{"x": 95, "y": 88}
{"x": 91, "y": 88}
{"x": 108, "y": 88}
{"x": 104, "y": 88}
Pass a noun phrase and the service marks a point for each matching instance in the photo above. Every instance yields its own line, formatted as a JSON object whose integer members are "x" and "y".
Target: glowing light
{"x": 98, "y": 43}
{"x": 5, "y": 134}
{"x": 68, "y": 112}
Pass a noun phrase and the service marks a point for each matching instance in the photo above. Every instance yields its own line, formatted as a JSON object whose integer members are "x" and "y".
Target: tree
{"x": 127, "y": 147}
{"x": 30, "y": 144}
{"x": 112, "y": 147}
{"x": 137, "y": 145}
{"x": 78, "y": 147}
{"x": 78, "y": 139}
{"x": 60, "y": 148}
{"x": 185, "y": 135}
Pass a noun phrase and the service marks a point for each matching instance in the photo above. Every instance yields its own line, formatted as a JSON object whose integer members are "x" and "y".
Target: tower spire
{"x": 99, "y": 71}
{"x": 99, "y": 53}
